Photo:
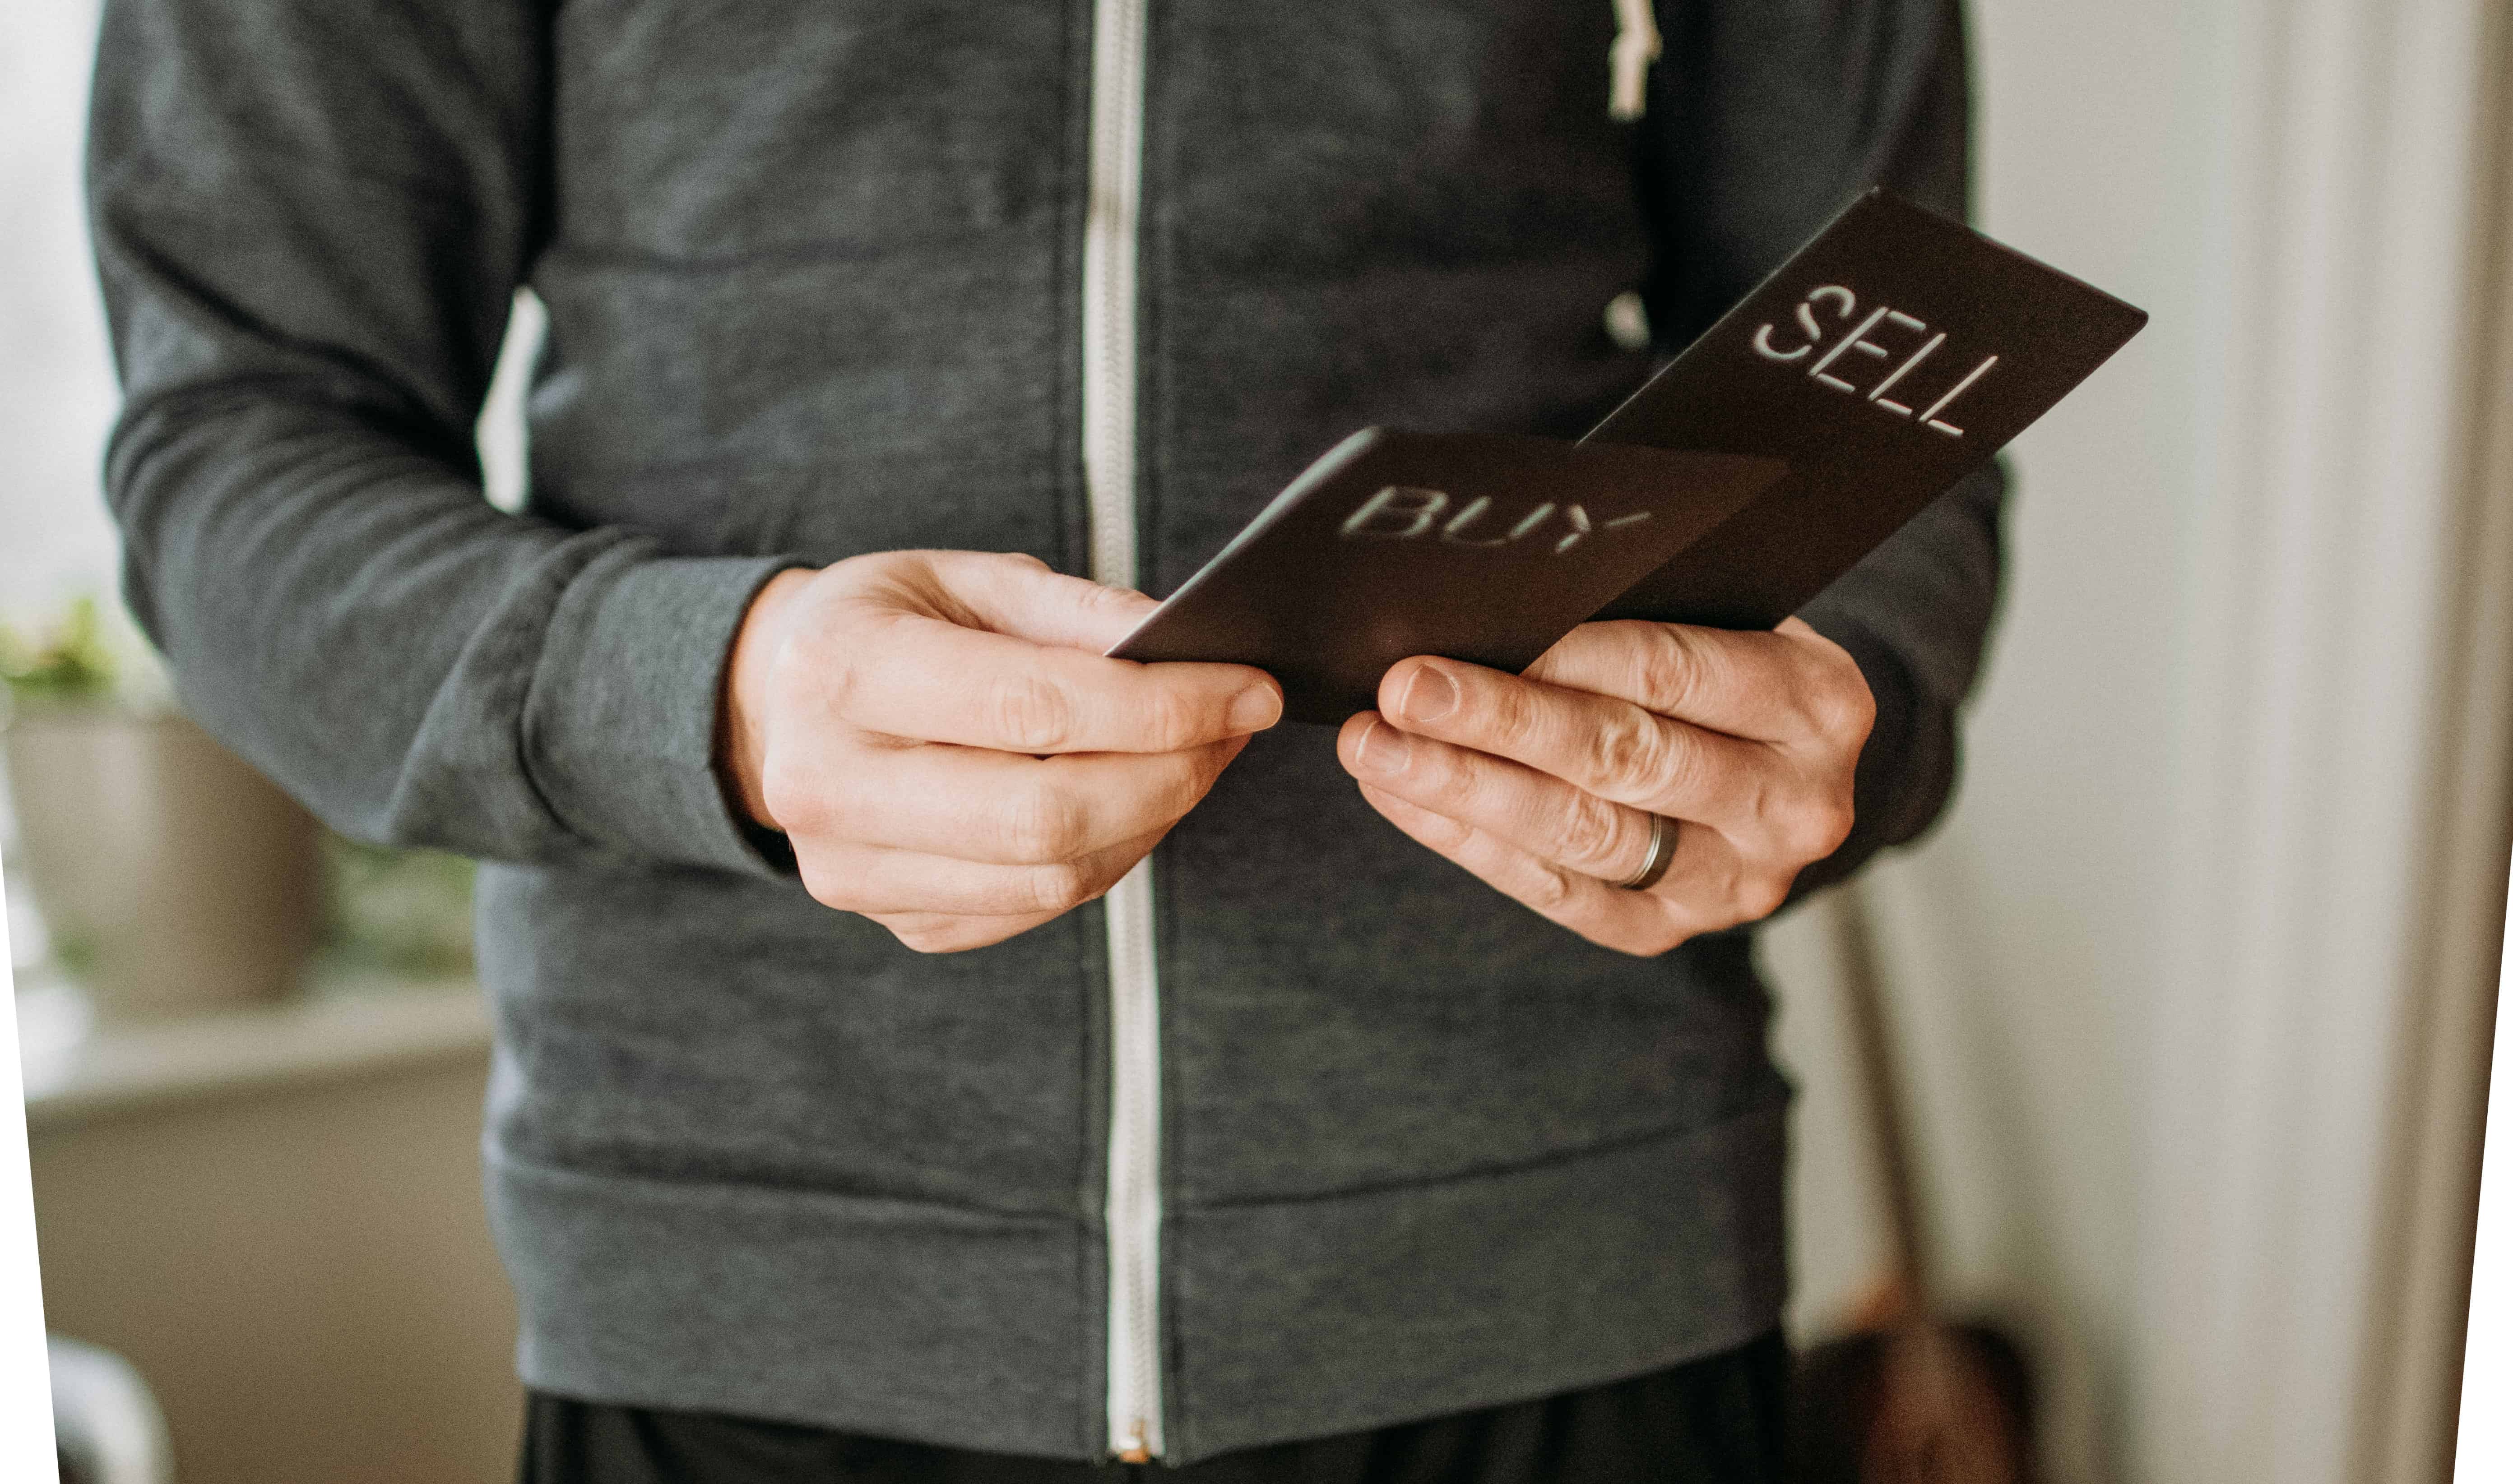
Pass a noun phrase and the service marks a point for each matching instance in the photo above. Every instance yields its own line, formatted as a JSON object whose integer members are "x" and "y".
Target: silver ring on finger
{"x": 1661, "y": 854}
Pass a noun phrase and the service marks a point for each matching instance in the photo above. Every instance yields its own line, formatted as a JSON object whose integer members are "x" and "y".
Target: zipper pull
{"x": 1132, "y": 1447}
{"x": 1636, "y": 46}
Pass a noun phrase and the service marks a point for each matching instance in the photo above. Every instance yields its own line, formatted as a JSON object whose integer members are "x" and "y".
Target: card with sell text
{"x": 1890, "y": 357}
{"x": 1887, "y": 360}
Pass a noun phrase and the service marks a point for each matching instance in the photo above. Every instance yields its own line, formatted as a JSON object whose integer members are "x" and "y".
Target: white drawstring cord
{"x": 1636, "y": 46}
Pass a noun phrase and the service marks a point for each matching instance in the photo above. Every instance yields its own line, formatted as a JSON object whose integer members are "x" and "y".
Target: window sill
{"x": 343, "y": 1030}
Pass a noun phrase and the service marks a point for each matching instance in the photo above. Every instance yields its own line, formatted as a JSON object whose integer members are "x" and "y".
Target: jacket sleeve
{"x": 311, "y": 219}
{"x": 1764, "y": 120}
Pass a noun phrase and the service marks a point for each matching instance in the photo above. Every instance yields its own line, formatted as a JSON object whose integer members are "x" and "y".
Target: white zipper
{"x": 1108, "y": 317}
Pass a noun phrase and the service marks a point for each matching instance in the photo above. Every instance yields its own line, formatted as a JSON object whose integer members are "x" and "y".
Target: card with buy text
{"x": 1890, "y": 357}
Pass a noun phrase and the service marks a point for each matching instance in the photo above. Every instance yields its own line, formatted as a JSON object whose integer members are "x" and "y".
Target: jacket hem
{"x": 1309, "y": 1318}
{"x": 1282, "y": 1321}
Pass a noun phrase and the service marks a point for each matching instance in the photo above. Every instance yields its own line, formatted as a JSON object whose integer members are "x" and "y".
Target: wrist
{"x": 741, "y": 739}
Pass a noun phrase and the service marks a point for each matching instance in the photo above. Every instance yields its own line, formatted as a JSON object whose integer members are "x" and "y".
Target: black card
{"x": 1479, "y": 546}
{"x": 1889, "y": 358}
{"x": 1892, "y": 355}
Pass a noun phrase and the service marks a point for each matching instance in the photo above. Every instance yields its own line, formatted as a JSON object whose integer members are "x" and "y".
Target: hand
{"x": 942, "y": 739}
{"x": 1543, "y": 784}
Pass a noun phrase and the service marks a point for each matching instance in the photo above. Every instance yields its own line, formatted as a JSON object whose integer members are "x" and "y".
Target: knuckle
{"x": 1032, "y": 713}
{"x": 844, "y": 803}
{"x": 1857, "y": 700}
{"x": 829, "y": 888}
{"x": 1443, "y": 833}
{"x": 1063, "y": 886}
{"x": 1724, "y": 896}
{"x": 1669, "y": 669}
{"x": 1099, "y": 602}
{"x": 1693, "y": 771}
{"x": 1591, "y": 832}
{"x": 1756, "y": 798}
{"x": 1436, "y": 777}
{"x": 1043, "y": 826}
{"x": 1839, "y": 718}
{"x": 1799, "y": 827}
{"x": 797, "y": 808}
{"x": 799, "y": 667}
{"x": 1507, "y": 714}
{"x": 1836, "y": 704}
{"x": 1824, "y": 827}
{"x": 868, "y": 568}
{"x": 1550, "y": 890}
{"x": 1759, "y": 896}
{"x": 1628, "y": 754}
{"x": 1101, "y": 597}
{"x": 817, "y": 663}
{"x": 1447, "y": 833}
{"x": 1171, "y": 719}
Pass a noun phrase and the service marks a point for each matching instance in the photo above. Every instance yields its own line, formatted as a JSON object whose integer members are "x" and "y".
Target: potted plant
{"x": 170, "y": 876}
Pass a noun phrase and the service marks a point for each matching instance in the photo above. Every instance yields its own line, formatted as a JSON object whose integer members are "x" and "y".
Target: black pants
{"x": 1713, "y": 1421}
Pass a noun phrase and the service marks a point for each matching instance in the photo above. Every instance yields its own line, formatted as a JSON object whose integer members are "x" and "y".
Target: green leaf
{"x": 68, "y": 664}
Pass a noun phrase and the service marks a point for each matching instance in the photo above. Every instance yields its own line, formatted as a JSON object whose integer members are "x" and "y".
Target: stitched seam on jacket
{"x": 1473, "y": 1174}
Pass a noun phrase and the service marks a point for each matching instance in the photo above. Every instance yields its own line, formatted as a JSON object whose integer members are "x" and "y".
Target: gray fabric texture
{"x": 812, "y": 280}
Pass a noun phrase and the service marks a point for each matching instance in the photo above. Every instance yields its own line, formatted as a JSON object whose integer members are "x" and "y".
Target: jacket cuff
{"x": 620, "y": 729}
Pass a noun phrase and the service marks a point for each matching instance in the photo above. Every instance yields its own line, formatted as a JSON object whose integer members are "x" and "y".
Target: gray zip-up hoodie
{"x": 818, "y": 277}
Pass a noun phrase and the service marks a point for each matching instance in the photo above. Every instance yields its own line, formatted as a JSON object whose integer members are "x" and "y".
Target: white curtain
{"x": 2196, "y": 978}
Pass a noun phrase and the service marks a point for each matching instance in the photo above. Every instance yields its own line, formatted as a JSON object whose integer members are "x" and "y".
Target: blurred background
{"x": 2189, "y": 996}
{"x": 253, "y": 1052}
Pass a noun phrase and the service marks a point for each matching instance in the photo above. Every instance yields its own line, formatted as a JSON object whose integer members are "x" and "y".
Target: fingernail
{"x": 1429, "y": 696}
{"x": 1382, "y": 749}
{"x": 1254, "y": 709}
